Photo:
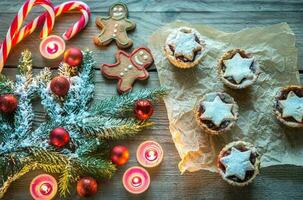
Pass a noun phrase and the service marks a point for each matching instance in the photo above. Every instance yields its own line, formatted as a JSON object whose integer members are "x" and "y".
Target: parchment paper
{"x": 274, "y": 48}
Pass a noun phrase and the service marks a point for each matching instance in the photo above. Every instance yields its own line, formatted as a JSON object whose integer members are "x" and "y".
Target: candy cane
{"x": 60, "y": 9}
{"x": 17, "y": 22}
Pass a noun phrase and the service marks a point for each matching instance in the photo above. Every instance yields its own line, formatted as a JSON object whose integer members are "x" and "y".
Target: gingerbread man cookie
{"x": 115, "y": 27}
{"x": 129, "y": 67}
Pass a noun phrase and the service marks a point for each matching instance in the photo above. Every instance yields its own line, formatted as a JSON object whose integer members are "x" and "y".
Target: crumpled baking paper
{"x": 274, "y": 48}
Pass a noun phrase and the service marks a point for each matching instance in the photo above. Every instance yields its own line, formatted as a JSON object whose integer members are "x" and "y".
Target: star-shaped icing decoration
{"x": 185, "y": 45}
{"x": 238, "y": 68}
{"x": 217, "y": 111}
{"x": 237, "y": 163}
{"x": 292, "y": 106}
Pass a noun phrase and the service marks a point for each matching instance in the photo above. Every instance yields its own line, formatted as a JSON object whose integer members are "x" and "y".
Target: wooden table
{"x": 281, "y": 182}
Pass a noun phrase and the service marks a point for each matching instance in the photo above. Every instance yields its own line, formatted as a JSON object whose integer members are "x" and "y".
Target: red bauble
{"x": 87, "y": 187}
{"x": 8, "y": 103}
{"x": 119, "y": 155}
{"x": 143, "y": 109}
{"x": 60, "y": 86}
{"x": 73, "y": 57}
{"x": 59, "y": 137}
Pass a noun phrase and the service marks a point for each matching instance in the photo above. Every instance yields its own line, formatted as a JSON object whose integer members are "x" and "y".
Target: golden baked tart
{"x": 184, "y": 47}
{"x": 238, "y": 69}
{"x": 238, "y": 163}
{"x": 288, "y": 106}
{"x": 216, "y": 112}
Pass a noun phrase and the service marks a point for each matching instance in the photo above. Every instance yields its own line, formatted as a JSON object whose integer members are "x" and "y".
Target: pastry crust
{"x": 210, "y": 97}
{"x": 170, "y": 53}
{"x": 221, "y": 69}
{"x": 239, "y": 145}
{"x": 281, "y": 95}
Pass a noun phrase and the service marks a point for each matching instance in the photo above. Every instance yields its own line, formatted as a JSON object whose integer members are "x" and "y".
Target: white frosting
{"x": 184, "y": 44}
{"x": 292, "y": 106}
{"x": 137, "y": 60}
{"x": 238, "y": 68}
{"x": 217, "y": 111}
{"x": 118, "y": 14}
{"x": 237, "y": 163}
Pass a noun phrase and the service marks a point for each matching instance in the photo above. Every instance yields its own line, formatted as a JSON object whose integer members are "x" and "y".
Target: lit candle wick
{"x": 45, "y": 188}
{"x": 151, "y": 155}
{"x": 52, "y": 48}
{"x": 136, "y": 181}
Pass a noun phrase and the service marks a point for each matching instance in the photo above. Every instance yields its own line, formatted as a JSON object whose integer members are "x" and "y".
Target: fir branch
{"x": 28, "y": 150}
{"x": 119, "y": 106}
{"x": 95, "y": 167}
{"x": 92, "y": 147}
{"x": 63, "y": 70}
{"x": 51, "y": 106}
{"x": 86, "y": 70}
{"x": 25, "y": 67}
{"x": 66, "y": 179}
{"x": 82, "y": 87}
{"x": 41, "y": 155}
{"x": 40, "y": 136}
{"x": 110, "y": 128}
{"x": 23, "y": 118}
{"x": 15, "y": 177}
{"x": 5, "y": 127}
{"x": 6, "y": 85}
{"x": 43, "y": 77}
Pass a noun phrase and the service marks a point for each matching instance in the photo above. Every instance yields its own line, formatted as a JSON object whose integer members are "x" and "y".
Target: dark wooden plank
{"x": 180, "y": 5}
{"x": 225, "y": 21}
{"x": 281, "y": 182}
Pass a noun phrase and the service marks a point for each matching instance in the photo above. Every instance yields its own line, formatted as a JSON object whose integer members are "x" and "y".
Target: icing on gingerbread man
{"x": 128, "y": 68}
{"x": 115, "y": 27}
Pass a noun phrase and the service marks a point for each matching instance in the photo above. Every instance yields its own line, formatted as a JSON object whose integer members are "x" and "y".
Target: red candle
{"x": 43, "y": 187}
{"x": 136, "y": 180}
{"x": 52, "y": 47}
{"x": 149, "y": 154}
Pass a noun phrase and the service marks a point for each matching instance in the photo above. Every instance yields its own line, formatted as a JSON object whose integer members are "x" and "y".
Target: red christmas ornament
{"x": 119, "y": 155}
{"x": 143, "y": 109}
{"x": 59, "y": 137}
{"x": 87, "y": 187}
{"x": 73, "y": 57}
{"x": 8, "y": 103}
{"x": 60, "y": 85}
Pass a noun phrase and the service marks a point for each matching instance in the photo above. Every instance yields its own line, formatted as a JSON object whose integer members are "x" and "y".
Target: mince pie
{"x": 216, "y": 113}
{"x": 238, "y": 163}
{"x": 289, "y": 106}
{"x": 238, "y": 69}
{"x": 184, "y": 47}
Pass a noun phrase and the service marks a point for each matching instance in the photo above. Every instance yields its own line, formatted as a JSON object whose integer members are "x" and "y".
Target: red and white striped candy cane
{"x": 17, "y": 22}
{"x": 60, "y": 9}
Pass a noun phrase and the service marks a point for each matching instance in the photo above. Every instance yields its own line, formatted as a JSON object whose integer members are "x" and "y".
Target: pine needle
{"x": 23, "y": 149}
{"x": 122, "y": 105}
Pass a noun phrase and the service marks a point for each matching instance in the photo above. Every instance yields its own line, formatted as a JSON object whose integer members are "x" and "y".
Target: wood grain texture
{"x": 225, "y": 21}
{"x": 180, "y": 6}
{"x": 280, "y": 182}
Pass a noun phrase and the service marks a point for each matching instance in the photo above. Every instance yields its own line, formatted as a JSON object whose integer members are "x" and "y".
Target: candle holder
{"x": 52, "y": 47}
{"x": 149, "y": 154}
{"x": 43, "y": 187}
{"x": 136, "y": 180}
